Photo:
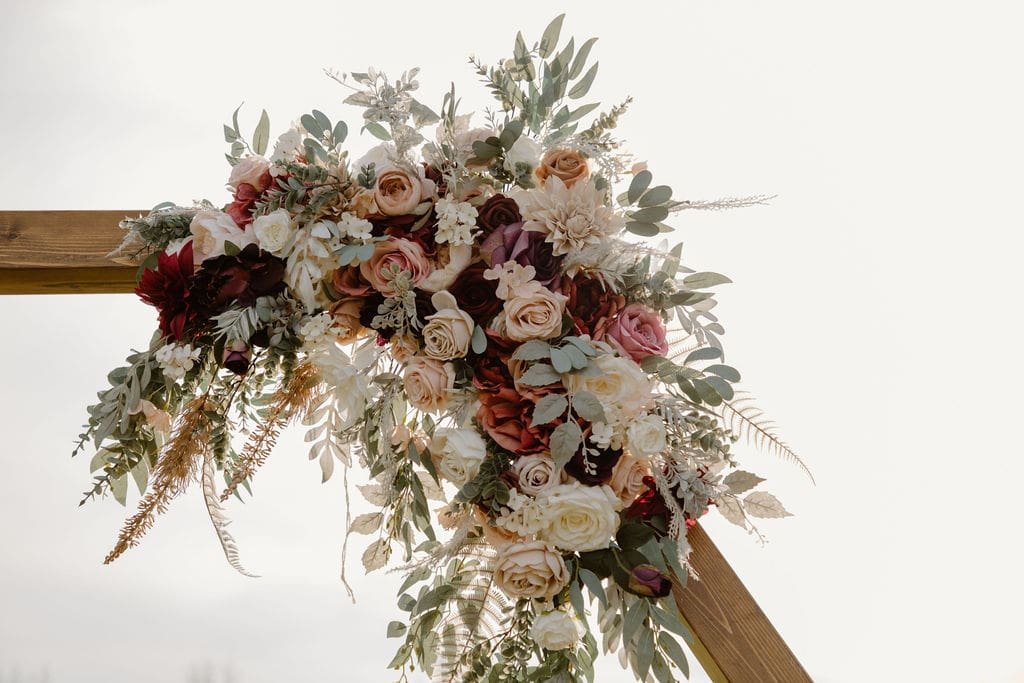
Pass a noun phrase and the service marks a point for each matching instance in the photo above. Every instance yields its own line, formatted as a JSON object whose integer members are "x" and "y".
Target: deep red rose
{"x": 169, "y": 289}
{"x": 241, "y": 278}
{"x": 593, "y": 470}
{"x": 476, "y": 295}
{"x": 435, "y": 175}
{"x": 490, "y": 369}
{"x": 245, "y": 198}
{"x": 505, "y": 416}
{"x": 648, "y": 504}
{"x": 647, "y": 580}
{"x": 512, "y": 243}
{"x": 497, "y": 211}
{"x": 592, "y": 304}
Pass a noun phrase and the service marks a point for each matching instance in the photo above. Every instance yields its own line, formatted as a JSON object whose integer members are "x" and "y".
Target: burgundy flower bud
{"x": 648, "y": 581}
{"x": 236, "y": 357}
{"x": 497, "y": 211}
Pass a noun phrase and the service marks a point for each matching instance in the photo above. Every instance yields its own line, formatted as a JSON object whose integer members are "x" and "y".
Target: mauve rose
{"x": 403, "y": 254}
{"x": 476, "y": 295}
{"x": 566, "y": 164}
{"x": 497, "y": 211}
{"x": 241, "y": 209}
{"x": 592, "y": 304}
{"x": 627, "y": 479}
{"x": 638, "y": 333}
{"x": 348, "y": 280}
{"x": 512, "y": 243}
{"x": 253, "y": 170}
{"x": 647, "y": 581}
{"x": 505, "y": 416}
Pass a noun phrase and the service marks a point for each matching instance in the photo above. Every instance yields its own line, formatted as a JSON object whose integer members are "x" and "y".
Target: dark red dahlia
{"x": 239, "y": 279}
{"x": 168, "y": 289}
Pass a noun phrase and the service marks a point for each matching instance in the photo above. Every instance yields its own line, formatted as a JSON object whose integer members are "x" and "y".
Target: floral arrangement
{"x": 541, "y": 403}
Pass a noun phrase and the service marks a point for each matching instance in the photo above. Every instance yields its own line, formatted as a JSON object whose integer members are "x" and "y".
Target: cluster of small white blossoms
{"x": 455, "y": 222}
{"x": 176, "y": 359}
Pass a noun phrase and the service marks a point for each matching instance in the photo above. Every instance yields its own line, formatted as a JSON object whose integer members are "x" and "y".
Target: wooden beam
{"x": 735, "y": 641}
{"x": 62, "y": 252}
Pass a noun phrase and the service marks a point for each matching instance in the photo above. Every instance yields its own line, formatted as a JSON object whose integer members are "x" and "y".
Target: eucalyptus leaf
{"x": 655, "y": 196}
{"x": 705, "y": 280}
{"x": 643, "y": 229}
{"x": 549, "y": 39}
{"x": 376, "y": 130}
{"x": 580, "y": 62}
{"x": 533, "y": 350}
{"x": 261, "y": 137}
{"x": 587, "y": 406}
{"x": 540, "y": 375}
{"x": 582, "y": 86}
{"x": 638, "y": 185}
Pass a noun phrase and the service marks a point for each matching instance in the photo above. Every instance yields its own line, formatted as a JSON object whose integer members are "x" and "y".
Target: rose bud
{"x": 646, "y": 580}
{"x": 236, "y": 357}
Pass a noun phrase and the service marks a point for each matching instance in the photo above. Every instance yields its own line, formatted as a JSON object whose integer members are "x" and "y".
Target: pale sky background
{"x": 875, "y": 314}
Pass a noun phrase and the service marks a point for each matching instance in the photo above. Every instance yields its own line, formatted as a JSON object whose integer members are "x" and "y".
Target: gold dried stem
{"x": 291, "y": 400}
{"x": 176, "y": 467}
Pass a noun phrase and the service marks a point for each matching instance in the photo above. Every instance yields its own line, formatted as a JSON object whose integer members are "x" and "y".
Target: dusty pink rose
{"x": 628, "y": 478}
{"x": 428, "y": 383}
{"x": 390, "y": 255}
{"x": 638, "y": 333}
{"x": 397, "y": 192}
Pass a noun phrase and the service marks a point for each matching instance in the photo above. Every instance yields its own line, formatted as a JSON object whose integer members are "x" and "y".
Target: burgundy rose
{"x": 435, "y": 176}
{"x": 168, "y": 289}
{"x": 638, "y": 332}
{"x": 592, "y": 304}
{"x": 511, "y": 243}
{"x": 236, "y": 357}
{"x": 648, "y": 504}
{"x": 490, "y": 369}
{"x": 505, "y": 416}
{"x": 348, "y": 280}
{"x": 647, "y": 580}
{"x": 476, "y": 295}
{"x": 241, "y": 278}
{"x": 497, "y": 211}
{"x": 592, "y": 469}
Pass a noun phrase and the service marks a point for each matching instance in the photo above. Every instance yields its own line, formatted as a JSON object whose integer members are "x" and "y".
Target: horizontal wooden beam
{"x": 735, "y": 640}
{"x": 62, "y": 252}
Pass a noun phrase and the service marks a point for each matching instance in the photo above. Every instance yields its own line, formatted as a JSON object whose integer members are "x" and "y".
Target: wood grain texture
{"x": 62, "y": 252}
{"x": 737, "y": 643}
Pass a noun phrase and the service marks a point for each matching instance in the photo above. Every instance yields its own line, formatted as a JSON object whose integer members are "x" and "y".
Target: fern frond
{"x": 290, "y": 401}
{"x": 680, "y": 344}
{"x": 745, "y": 419}
{"x": 175, "y": 468}
{"x": 219, "y": 519}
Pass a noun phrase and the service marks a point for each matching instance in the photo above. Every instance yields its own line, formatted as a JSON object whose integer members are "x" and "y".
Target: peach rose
{"x": 428, "y": 383}
{"x": 495, "y": 535}
{"x": 534, "y": 314}
{"x": 567, "y": 164}
{"x": 628, "y": 478}
{"x": 363, "y": 204}
{"x": 394, "y": 255}
{"x": 404, "y": 347}
{"x": 447, "y": 334}
{"x": 346, "y": 316}
{"x": 530, "y": 570}
{"x": 398, "y": 193}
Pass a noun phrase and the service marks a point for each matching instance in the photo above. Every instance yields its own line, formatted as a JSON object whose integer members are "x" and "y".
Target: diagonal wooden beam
{"x": 64, "y": 252}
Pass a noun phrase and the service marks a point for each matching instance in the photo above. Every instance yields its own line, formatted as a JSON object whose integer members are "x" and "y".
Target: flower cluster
{"x": 465, "y": 314}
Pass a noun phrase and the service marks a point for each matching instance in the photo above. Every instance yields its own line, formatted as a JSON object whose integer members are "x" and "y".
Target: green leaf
{"x": 655, "y": 196}
{"x": 582, "y": 86}
{"x": 229, "y": 134}
{"x": 549, "y": 40}
{"x": 479, "y": 341}
{"x": 587, "y": 406}
{"x": 576, "y": 598}
{"x": 561, "y": 361}
{"x": 540, "y": 375}
{"x": 322, "y": 120}
{"x": 548, "y": 408}
{"x": 643, "y": 229}
{"x": 340, "y": 132}
{"x": 406, "y": 602}
{"x": 312, "y": 126}
{"x": 262, "y": 135}
{"x": 723, "y": 388}
{"x": 396, "y": 629}
{"x": 119, "y": 487}
{"x": 581, "y": 59}
{"x": 376, "y": 130}
{"x": 651, "y": 214}
{"x": 230, "y": 248}
{"x": 645, "y": 653}
{"x": 632, "y": 535}
{"x": 565, "y": 441}
{"x": 510, "y": 133}
{"x": 632, "y": 621}
{"x": 484, "y": 151}
{"x": 703, "y": 353}
{"x": 638, "y": 185}
{"x": 576, "y": 357}
{"x": 593, "y": 584}
{"x": 705, "y": 280}
{"x": 141, "y": 474}
{"x": 726, "y": 372}
{"x": 675, "y": 652}
{"x": 533, "y": 350}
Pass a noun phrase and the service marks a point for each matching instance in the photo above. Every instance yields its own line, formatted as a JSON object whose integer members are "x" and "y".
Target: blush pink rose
{"x": 390, "y": 254}
{"x": 638, "y": 332}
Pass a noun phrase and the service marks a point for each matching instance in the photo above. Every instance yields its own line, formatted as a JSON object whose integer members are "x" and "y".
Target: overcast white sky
{"x": 875, "y": 313}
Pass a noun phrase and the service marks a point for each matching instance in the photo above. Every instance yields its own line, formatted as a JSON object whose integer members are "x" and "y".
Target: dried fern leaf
{"x": 744, "y": 418}
{"x": 219, "y": 520}
{"x": 175, "y": 468}
{"x": 290, "y": 401}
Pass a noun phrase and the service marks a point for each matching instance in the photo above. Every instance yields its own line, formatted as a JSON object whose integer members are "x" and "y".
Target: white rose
{"x": 621, "y": 384}
{"x": 524, "y": 151}
{"x": 556, "y": 630}
{"x": 210, "y": 230}
{"x": 448, "y": 333}
{"x": 249, "y": 170}
{"x": 646, "y": 436}
{"x": 274, "y": 231}
{"x": 579, "y": 518}
{"x": 381, "y": 157}
{"x": 460, "y": 452}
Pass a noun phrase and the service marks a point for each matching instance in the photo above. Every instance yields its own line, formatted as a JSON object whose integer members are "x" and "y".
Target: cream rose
{"x": 274, "y": 231}
{"x": 535, "y": 473}
{"x": 530, "y": 570}
{"x": 524, "y": 153}
{"x": 628, "y": 478}
{"x": 211, "y": 230}
{"x": 249, "y": 170}
{"x": 428, "y": 383}
{"x": 621, "y": 384}
{"x": 398, "y": 193}
{"x": 448, "y": 332}
{"x": 460, "y": 453}
{"x": 646, "y": 436}
{"x": 556, "y": 630}
{"x": 534, "y": 314}
{"x": 579, "y": 518}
